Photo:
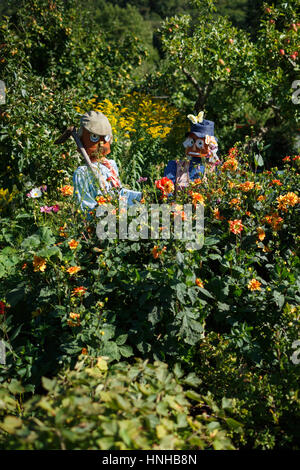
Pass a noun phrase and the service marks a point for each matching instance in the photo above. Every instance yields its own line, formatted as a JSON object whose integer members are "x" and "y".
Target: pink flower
{"x": 55, "y": 208}
{"x": 46, "y": 209}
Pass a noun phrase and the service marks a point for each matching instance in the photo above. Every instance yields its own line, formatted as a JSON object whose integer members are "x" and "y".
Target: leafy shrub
{"x": 121, "y": 406}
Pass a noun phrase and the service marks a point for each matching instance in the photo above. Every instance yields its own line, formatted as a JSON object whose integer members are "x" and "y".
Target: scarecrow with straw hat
{"x": 200, "y": 153}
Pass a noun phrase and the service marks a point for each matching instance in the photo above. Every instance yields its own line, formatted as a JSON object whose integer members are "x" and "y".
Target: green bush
{"x": 121, "y": 406}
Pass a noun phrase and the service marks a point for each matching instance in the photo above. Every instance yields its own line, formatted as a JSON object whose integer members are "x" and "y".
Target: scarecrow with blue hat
{"x": 200, "y": 153}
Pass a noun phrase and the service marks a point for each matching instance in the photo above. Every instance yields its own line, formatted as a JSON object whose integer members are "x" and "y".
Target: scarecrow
{"x": 95, "y": 134}
{"x": 100, "y": 176}
{"x": 200, "y": 154}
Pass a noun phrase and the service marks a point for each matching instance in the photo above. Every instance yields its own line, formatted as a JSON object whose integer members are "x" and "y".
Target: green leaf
{"x": 49, "y": 384}
{"x": 11, "y": 423}
{"x": 15, "y": 295}
{"x": 31, "y": 243}
{"x": 126, "y": 351}
{"x": 233, "y": 424}
{"x": 15, "y": 387}
{"x": 111, "y": 350}
{"x": 226, "y": 403}
{"x": 121, "y": 339}
{"x": 192, "y": 380}
{"x": 279, "y": 299}
{"x": 51, "y": 251}
{"x": 194, "y": 395}
{"x": 209, "y": 241}
{"x": 178, "y": 370}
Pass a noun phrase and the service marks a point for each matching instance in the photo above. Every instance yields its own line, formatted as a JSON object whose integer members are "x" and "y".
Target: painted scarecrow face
{"x": 195, "y": 146}
{"x": 95, "y": 145}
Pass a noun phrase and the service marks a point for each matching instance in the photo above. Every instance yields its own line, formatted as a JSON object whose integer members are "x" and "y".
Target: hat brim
{"x": 200, "y": 134}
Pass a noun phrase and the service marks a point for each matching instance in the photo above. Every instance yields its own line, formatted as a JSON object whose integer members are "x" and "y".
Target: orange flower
{"x": 246, "y": 186}
{"x": 156, "y": 252}
{"x": 286, "y": 159}
{"x": 199, "y": 283}
{"x": 39, "y": 264}
{"x": 254, "y": 285}
{"x": 233, "y": 152}
{"x": 84, "y": 351}
{"x": 71, "y": 323}
{"x": 196, "y": 182}
{"x": 274, "y": 220}
{"x": 67, "y": 190}
{"x": 230, "y": 164}
{"x": 74, "y": 316}
{"x": 261, "y": 198}
{"x": 101, "y": 200}
{"x": 217, "y": 214}
{"x": 24, "y": 266}
{"x": 73, "y": 244}
{"x": 77, "y": 291}
{"x": 261, "y": 233}
{"x": 178, "y": 212}
{"x": 289, "y": 199}
{"x": 235, "y": 226}
{"x": 248, "y": 213}
{"x": 231, "y": 184}
{"x": 235, "y": 202}
{"x": 197, "y": 197}
{"x": 62, "y": 232}
{"x": 278, "y": 182}
{"x": 73, "y": 270}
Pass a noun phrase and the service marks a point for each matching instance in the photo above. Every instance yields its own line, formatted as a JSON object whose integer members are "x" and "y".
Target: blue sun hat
{"x": 201, "y": 127}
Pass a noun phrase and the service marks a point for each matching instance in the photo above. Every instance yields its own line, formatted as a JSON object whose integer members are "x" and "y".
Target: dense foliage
{"x": 90, "y": 325}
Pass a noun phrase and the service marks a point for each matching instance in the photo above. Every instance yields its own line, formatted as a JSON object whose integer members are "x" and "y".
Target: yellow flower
{"x": 39, "y": 264}
{"x": 254, "y": 285}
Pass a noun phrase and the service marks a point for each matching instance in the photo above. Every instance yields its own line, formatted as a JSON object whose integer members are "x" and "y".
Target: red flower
{"x": 165, "y": 185}
{"x": 2, "y": 308}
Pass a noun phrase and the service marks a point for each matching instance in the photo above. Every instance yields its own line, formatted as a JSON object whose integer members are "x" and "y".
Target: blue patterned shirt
{"x": 86, "y": 187}
{"x": 196, "y": 169}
